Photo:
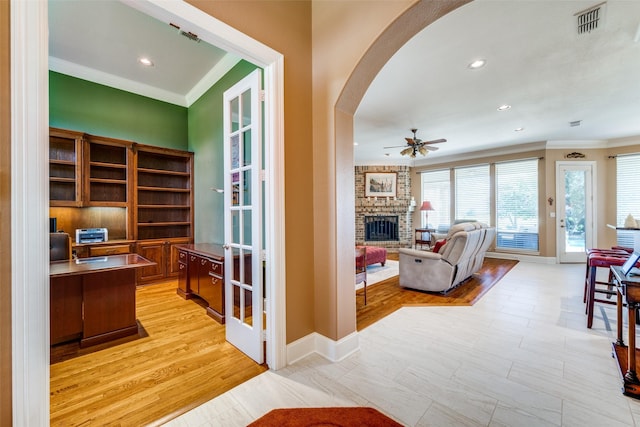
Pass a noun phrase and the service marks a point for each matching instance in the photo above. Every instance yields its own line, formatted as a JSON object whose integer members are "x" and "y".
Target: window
{"x": 473, "y": 193}
{"x": 436, "y": 188}
{"x": 517, "y": 205}
{"x": 627, "y": 171}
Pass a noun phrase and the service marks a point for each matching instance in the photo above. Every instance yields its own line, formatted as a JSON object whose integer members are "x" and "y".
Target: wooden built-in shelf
{"x": 153, "y": 184}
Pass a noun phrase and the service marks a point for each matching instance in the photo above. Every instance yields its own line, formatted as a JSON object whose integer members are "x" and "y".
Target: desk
{"x": 628, "y": 288}
{"x": 94, "y": 299}
{"x": 423, "y": 237}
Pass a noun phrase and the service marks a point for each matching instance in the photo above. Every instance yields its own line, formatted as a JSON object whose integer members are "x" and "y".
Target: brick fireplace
{"x": 384, "y": 221}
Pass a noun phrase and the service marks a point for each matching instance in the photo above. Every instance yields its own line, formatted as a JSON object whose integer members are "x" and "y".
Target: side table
{"x": 423, "y": 237}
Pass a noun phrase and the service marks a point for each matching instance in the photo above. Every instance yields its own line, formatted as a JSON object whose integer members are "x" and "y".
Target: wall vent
{"x": 590, "y": 19}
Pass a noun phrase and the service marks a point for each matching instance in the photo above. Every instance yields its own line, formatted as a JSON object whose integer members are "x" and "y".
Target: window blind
{"x": 517, "y": 205}
{"x": 436, "y": 188}
{"x": 626, "y": 203}
{"x": 473, "y": 193}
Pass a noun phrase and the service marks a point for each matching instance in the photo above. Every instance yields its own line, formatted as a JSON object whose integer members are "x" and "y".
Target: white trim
{"x": 29, "y": 211}
{"x": 71, "y": 69}
{"x": 30, "y": 193}
{"x": 334, "y": 351}
{"x": 275, "y": 305}
{"x": 216, "y": 73}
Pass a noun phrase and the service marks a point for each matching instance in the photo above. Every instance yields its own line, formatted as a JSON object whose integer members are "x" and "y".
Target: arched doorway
{"x": 412, "y": 21}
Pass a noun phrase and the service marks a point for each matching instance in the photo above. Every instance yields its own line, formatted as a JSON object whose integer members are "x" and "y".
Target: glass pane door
{"x": 243, "y": 213}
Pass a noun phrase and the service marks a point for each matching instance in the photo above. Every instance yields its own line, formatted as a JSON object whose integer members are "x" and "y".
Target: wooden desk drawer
{"x": 109, "y": 250}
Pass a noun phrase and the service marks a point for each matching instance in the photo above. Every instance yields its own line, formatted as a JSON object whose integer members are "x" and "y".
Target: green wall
{"x": 101, "y": 110}
{"x": 205, "y": 140}
{"x": 89, "y": 107}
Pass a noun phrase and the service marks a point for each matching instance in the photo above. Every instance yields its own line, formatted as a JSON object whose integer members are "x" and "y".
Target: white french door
{"x": 575, "y": 221}
{"x": 243, "y": 216}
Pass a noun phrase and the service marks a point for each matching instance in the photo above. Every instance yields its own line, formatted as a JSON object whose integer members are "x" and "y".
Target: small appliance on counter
{"x": 91, "y": 235}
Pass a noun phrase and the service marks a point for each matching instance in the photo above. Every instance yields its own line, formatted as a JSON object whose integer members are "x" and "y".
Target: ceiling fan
{"x": 416, "y": 145}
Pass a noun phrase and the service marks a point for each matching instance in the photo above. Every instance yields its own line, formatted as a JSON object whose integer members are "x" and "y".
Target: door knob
{"x": 225, "y": 246}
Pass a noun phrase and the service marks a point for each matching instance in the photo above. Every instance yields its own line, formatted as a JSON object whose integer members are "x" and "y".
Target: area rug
{"x": 324, "y": 417}
{"x": 377, "y": 273}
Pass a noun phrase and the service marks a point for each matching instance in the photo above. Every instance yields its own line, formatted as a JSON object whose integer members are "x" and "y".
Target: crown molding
{"x": 85, "y": 73}
{"x": 216, "y": 73}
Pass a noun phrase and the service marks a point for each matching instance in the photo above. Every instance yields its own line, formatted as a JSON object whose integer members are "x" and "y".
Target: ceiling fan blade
{"x": 435, "y": 141}
{"x": 411, "y": 141}
{"x": 396, "y": 146}
{"x": 427, "y": 147}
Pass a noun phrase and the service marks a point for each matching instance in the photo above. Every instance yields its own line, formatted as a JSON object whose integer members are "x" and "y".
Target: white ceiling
{"x": 536, "y": 63}
{"x": 102, "y": 40}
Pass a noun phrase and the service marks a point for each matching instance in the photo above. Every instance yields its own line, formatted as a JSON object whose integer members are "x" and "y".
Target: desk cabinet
{"x": 94, "y": 300}
{"x": 164, "y": 253}
{"x": 201, "y": 274}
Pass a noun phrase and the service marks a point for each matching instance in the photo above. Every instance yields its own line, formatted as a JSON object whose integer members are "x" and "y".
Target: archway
{"x": 412, "y": 21}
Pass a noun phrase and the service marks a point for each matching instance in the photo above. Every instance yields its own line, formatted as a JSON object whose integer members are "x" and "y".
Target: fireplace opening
{"x": 381, "y": 228}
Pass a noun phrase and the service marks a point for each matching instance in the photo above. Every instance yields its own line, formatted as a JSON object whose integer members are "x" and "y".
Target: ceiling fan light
{"x": 406, "y": 151}
{"x": 423, "y": 151}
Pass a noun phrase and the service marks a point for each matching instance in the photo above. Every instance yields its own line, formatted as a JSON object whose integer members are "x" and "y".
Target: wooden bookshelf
{"x": 65, "y": 162}
{"x": 107, "y": 173}
{"x": 164, "y": 184}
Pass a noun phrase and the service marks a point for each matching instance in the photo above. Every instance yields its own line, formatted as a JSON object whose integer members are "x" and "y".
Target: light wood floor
{"x": 183, "y": 362}
{"x": 386, "y": 297}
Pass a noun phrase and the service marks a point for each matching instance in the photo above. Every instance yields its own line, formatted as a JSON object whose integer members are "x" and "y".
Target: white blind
{"x": 626, "y": 203}
{"x": 473, "y": 200}
{"x": 517, "y": 204}
{"x": 626, "y": 179}
{"x": 436, "y": 188}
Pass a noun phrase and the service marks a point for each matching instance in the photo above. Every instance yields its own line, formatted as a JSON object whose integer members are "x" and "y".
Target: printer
{"x": 91, "y": 235}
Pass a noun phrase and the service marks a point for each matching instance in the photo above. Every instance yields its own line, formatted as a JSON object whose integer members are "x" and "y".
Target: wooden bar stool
{"x": 595, "y": 260}
{"x": 614, "y": 251}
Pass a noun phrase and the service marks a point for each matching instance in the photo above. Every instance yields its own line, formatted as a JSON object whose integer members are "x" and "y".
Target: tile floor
{"x": 522, "y": 356}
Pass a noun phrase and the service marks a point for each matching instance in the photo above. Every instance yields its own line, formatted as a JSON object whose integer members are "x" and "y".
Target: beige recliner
{"x": 460, "y": 257}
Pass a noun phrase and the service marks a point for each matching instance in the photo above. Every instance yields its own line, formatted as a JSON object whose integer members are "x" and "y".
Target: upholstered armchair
{"x": 460, "y": 257}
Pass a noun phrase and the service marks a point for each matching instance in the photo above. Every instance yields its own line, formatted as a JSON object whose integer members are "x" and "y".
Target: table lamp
{"x": 426, "y": 206}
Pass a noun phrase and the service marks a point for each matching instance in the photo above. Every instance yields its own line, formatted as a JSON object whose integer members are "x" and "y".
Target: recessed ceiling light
{"x": 519, "y": 129}
{"x": 504, "y": 107}
{"x": 146, "y": 62}
{"x": 355, "y": 143}
{"x": 478, "y": 63}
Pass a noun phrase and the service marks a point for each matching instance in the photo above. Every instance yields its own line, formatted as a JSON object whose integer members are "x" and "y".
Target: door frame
{"x": 592, "y": 232}
{"x": 29, "y": 181}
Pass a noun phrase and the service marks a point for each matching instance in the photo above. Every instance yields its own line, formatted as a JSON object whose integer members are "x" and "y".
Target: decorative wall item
{"x": 575, "y": 155}
{"x": 381, "y": 184}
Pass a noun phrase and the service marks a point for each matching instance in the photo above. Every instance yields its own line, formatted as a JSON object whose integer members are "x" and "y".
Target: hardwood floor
{"x": 386, "y": 297}
{"x": 182, "y": 361}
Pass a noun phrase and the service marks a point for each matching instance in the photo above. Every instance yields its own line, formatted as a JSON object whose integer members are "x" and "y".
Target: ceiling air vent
{"x": 591, "y": 19}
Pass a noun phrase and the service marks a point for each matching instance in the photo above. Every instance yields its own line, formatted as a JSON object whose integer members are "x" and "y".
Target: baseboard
{"x": 522, "y": 257}
{"x": 333, "y": 351}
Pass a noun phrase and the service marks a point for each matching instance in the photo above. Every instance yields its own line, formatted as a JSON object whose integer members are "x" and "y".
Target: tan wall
{"x": 605, "y": 186}
{"x": 5, "y": 217}
{"x": 285, "y": 26}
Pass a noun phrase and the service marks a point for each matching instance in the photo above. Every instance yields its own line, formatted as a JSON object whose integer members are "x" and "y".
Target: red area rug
{"x": 324, "y": 417}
